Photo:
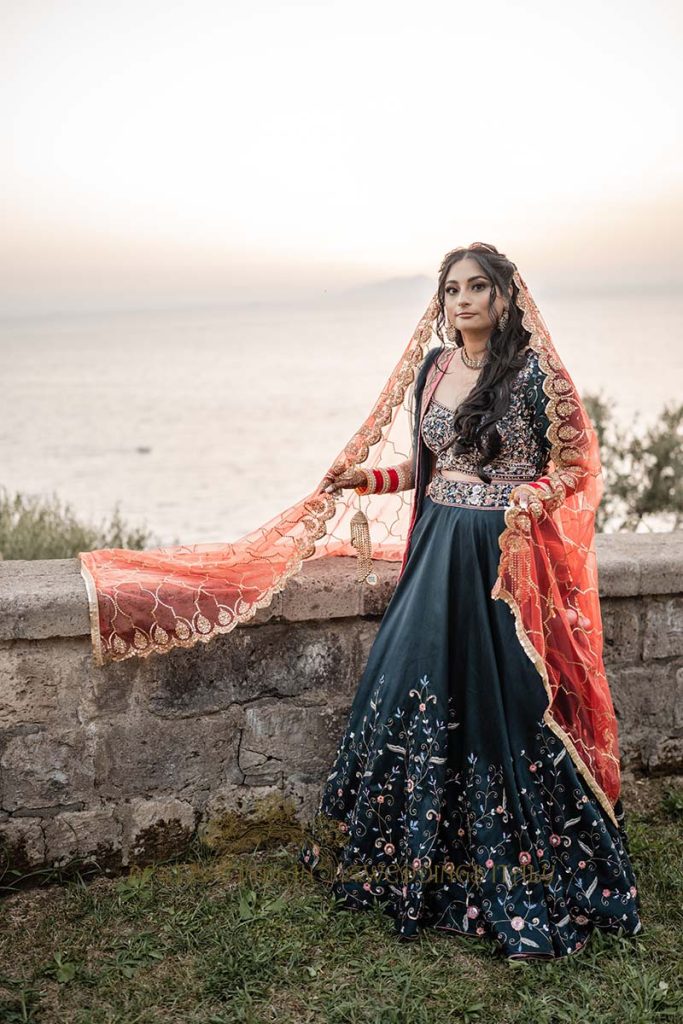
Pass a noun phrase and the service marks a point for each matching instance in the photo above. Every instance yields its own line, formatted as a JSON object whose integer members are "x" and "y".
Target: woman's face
{"x": 467, "y": 290}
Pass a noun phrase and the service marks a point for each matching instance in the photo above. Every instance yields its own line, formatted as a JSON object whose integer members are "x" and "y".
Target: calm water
{"x": 194, "y": 421}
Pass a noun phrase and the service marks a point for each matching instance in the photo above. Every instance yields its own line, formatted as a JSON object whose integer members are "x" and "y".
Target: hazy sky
{"x": 167, "y": 152}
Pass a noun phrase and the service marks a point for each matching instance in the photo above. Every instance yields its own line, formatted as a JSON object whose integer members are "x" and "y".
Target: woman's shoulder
{"x": 530, "y": 368}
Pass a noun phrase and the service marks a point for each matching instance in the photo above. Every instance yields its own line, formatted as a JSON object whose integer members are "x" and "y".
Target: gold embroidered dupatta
{"x": 147, "y": 602}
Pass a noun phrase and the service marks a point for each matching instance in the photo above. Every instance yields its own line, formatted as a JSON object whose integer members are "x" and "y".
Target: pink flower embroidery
{"x": 499, "y": 809}
{"x": 380, "y": 799}
{"x": 389, "y": 849}
{"x": 581, "y": 919}
{"x": 461, "y": 831}
{"x": 423, "y": 707}
{"x": 472, "y": 912}
{"x": 366, "y": 886}
{"x": 340, "y": 792}
{"x": 524, "y": 857}
{"x": 533, "y": 768}
{"x": 606, "y": 893}
{"x": 480, "y": 930}
{"x": 517, "y": 923}
{"x": 633, "y": 890}
{"x": 410, "y": 785}
{"x": 540, "y": 852}
{"x": 417, "y": 864}
{"x": 555, "y": 840}
{"x": 582, "y": 864}
{"x": 489, "y": 863}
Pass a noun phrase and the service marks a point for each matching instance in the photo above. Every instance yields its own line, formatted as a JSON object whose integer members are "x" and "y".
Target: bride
{"x": 476, "y": 786}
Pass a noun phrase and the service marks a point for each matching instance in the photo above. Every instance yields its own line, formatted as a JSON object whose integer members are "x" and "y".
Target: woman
{"x": 477, "y": 785}
{"x": 452, "y": 801}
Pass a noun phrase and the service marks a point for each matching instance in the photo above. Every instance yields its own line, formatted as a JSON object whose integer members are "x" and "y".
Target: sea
{"x": 204, "y": 423}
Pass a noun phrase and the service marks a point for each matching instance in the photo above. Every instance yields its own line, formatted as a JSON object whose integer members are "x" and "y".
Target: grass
{"x": 218, "y": 939}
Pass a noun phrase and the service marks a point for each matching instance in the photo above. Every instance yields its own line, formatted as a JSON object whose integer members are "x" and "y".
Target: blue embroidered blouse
{"x": 525, "y": 448}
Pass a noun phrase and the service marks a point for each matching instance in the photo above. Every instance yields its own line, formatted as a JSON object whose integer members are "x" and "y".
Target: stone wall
{"x": 124, "y": 764}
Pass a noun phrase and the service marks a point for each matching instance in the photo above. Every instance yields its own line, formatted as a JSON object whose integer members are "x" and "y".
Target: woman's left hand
{"x": 526, "y": 497}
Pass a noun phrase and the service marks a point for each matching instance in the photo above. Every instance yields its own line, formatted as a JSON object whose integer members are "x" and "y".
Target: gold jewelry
{"x": 360, "y": 540}
{"x": 474, "y": 364}
{"x": 405, "y": 474}
{"x": 503, "y": 319}
{"x": 369, "y": 486}
{"x": 450, "y": 330}
{"x": 535, "y": 506}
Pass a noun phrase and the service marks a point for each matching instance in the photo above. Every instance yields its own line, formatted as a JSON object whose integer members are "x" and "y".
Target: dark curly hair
{"x": 478, "y": 414}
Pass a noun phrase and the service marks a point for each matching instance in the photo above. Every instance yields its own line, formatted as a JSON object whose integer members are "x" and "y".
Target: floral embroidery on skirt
{"x": 450, "y": 802}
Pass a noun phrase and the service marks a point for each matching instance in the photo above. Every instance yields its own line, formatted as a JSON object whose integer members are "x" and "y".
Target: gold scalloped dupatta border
{"x": 546, "y": 562}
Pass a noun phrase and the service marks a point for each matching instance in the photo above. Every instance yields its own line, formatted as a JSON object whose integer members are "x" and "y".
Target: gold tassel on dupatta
{"x": 517, "y": 552}
{"x": 360, "y": 539}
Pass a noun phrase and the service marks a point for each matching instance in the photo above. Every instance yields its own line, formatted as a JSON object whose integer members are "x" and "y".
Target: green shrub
{"x": 35, "y": 526}
{"x": 642, "y": 470}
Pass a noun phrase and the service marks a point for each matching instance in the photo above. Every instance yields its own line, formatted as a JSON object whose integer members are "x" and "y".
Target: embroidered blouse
{"x": 525, "y": 448}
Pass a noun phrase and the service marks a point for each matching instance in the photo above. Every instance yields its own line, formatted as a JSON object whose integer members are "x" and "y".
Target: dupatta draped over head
{"x": 148, "y": 602}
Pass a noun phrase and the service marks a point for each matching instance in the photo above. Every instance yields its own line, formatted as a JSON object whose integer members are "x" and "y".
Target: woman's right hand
{"x": 349, "y": 478}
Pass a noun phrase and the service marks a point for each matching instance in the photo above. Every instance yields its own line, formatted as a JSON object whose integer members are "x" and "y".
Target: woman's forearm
{"x": 389, "y": 479}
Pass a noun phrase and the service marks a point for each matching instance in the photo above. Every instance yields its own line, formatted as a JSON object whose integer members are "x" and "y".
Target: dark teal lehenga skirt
{"x": 450, "y": 802}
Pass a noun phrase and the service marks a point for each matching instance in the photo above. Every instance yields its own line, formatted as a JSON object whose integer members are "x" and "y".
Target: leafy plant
{"x": 36, "y": 526}
{"x": 672, "y": 802}
{"x": 60, "y": 969}
{"x": 643, "y": 470}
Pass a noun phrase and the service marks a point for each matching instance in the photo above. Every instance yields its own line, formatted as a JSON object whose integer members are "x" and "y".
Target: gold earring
{"x": 503, "y": 319}
{"x": 450, "y": 331}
